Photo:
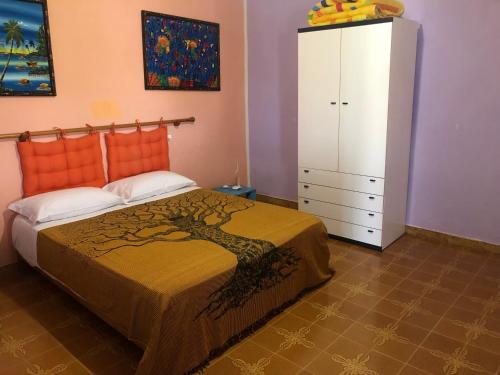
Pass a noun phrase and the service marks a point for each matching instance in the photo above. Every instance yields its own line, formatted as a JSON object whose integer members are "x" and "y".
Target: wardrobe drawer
{"x": 353, "y": 232}
{"x": 342, "y": 213}
{"x": 363, "y": 184}
{"x": 369, "y": 202}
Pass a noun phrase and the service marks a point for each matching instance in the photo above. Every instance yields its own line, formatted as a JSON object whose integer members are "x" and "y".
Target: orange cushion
{"x": 61, "y": 164}
{"x": 135, "y": 153}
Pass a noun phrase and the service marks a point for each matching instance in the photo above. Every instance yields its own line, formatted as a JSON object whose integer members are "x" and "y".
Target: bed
{"x": 184, "y": 275}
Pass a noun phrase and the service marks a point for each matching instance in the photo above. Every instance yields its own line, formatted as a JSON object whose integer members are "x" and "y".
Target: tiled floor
{"x": 420, "y": 308}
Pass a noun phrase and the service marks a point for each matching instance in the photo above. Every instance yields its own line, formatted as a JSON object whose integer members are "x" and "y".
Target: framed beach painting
{"x": 180, "y": 53}
{"x": 25, "y": 53}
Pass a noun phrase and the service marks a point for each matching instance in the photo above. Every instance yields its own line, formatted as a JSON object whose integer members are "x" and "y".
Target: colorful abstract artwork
{"x": 180, "y": 53}
{"x": 25, "y": 54}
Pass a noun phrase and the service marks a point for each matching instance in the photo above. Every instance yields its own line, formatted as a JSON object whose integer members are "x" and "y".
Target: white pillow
{"x": 147, "y": 185}
{"x": 61, "y": 204}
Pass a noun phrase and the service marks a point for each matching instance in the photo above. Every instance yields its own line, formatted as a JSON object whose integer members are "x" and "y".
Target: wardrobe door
{"x": 364, "y": 96}
{"x": 319, "y": 81}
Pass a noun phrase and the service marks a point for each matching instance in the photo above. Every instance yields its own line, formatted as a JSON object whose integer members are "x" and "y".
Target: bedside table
{"x": 245, "y": 191}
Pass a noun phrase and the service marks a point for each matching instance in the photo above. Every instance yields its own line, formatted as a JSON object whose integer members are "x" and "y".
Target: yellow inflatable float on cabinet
{"x": 329, "y": 12}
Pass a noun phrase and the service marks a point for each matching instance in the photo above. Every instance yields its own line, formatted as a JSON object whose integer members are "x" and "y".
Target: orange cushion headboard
{"x": 135, "y": 153}
{"x": 61, "y": 164}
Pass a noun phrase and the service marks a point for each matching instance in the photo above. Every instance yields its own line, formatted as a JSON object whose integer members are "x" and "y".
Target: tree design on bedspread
{"x": 197, "y": 215}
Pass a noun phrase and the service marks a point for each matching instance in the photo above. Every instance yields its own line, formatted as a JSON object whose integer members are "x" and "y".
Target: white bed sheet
{"x": 25, "y": 233}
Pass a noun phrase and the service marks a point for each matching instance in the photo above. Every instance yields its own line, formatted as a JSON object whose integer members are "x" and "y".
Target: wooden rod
{"x": 175, "y": 122}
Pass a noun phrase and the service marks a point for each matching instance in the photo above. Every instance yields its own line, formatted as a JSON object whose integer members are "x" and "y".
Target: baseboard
{"x": 450, "y": 239}
{"x": 425, "y": 234}
{"x": 277, "y": 201}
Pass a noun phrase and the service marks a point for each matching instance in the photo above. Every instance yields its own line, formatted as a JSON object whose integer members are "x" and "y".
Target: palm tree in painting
{"x": 42, "y": 43}
{"x": 13, "y": 35}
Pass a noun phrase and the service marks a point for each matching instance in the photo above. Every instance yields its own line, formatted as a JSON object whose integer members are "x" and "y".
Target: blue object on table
{"x": 244, "y": 191}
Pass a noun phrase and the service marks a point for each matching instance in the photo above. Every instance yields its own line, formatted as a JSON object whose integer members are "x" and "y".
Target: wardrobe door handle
{"x": 306, "y": 186}
{"x": 306, "y": 202}
{"x": 345, "y": 103}
{"x": 306, "y": 170}
{"x": 370, "y": 231}
{"x": 333, "y": 103}
{"x": 372, "y": 198}
{"x": 372, "y": 215}
{"x": 373, "y": 180}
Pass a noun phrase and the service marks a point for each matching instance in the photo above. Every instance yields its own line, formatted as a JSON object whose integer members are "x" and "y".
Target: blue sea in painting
{"x": 181, "y": 54}
{"x": 24, "y": 62}
{"x": 21, "y": 78}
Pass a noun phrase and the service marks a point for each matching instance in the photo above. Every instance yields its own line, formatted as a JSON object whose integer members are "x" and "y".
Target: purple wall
{"x": 455, "y": 166}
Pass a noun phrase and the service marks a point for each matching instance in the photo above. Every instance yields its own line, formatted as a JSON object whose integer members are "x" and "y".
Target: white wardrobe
{"x": 355, "y": 111}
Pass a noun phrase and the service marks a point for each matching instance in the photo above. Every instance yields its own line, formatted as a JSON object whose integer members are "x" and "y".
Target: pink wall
{"x": 97, "y": 51}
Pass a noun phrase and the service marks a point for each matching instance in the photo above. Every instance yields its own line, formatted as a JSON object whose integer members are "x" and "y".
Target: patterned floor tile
{"x": 388, "y": 336}
{"x": 324, "y": 365}
{"x": 349, "y": 357}
{"x": 487, "y": 282}
{"x": 410, "y": 370}
{"x": 378, "y": 274}
{"x": 295, "y": 339}
{"x": 55, "y": 361}
{"x": 332, "y": 316}
{"x": 481, "y": 292}
{"x": 454, "y": 356}
{"x": 420, "y": 311}
{"x": 372, "y": 318}
{"x": 473, "y": 304}
{"x": 251, "y": 359}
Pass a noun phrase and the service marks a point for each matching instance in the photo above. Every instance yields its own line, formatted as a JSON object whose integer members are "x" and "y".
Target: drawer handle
{"x": 306, "y": 202}
{"x": 370, "y": 231}
{"x": 333, "y": 103}
{"x": 372, "y": 198}
{"x": 306, "y": 170}
{"x": 372, "y": 215}
{"x": 345, "y": 103}
{"x": 373, "y": 180}
{"x": 306, "y": 186}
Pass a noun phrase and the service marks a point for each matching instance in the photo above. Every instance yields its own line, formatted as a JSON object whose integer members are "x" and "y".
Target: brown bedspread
{"x": 181, "y": 276}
